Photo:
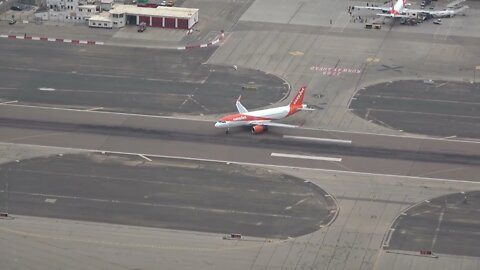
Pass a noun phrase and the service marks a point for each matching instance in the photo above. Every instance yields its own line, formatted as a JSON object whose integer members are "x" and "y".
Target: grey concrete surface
{"x": 181, "y": 195}
{"x": 302, "y": 54}
{"x": 367, "y": 153}
{"x": 154, "y": 82}
{"x": 443, "y": 225}
{"x": 312, "y": 55}
{"x": 13, "y": 152}
{"x": 353, "y": 241}
{"x": 436, "y": 108}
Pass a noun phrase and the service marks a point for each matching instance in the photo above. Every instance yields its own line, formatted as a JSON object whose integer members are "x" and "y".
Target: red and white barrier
{"x": 74, "y": 41}
{"x": 217, "y": 40}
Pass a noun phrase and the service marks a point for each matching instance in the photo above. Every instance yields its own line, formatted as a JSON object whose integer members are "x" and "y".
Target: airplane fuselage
{"x": 244, "y": 119}
{"x": 260, "y": 120}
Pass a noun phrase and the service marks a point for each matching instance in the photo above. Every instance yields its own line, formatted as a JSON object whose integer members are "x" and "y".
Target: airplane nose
{"x": 217, "y": 124}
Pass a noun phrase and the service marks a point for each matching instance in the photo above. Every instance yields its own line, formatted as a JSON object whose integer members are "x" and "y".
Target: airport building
{"x": 67, "y": 11}
{"x": 163, "y": 17}
{"x": 118, "y": 15}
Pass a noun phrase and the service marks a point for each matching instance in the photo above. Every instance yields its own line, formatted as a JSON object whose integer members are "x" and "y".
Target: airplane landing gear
{"x": 227, "y": 131}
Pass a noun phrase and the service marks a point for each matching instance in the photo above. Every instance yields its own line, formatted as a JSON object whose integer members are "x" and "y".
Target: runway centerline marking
{"x": 306, "y": 157}
{"x": 317, "y": 139}
{"x": 95, "y": 109}
{"x": 46, "y": 89}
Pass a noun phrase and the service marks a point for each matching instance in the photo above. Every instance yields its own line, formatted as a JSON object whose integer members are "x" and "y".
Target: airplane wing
{"x": 270, "y": 124}
{"x": 455, "y": 3}
{"x": 385, "y": 9}
{"x": 240, "y": 107}
{"x": 391, "y": 16}
{"x": 440, "y": 13}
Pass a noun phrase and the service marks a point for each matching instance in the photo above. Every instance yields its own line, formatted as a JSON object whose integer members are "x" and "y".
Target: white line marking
{"x": 419, "y": 137}
{"x": 3, "y": 36}
{"x": 50, "y": 200}
{"x": 83, "y": 42}
{"x": 113, "y": 113}
{"x": 94, "y": 109}
{"x": 144, "y": 157}
{"x": 46, "y": 89}
{"x": 186, "y": 207}
{"x": 317, "y": 139}
{"x": 9, "y": 102}
{"x": 416, "y": 178}
{"x": 306, "y": 157}
{"x": 51, "y": 39}
{"x": 67, "y": 40}
{"x": 437, "y": 230}
{"x": 35, "y": 38}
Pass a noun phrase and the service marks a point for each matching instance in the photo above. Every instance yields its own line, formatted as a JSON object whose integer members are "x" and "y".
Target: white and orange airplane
{"x": 399, "y": 9}
{"x": 260, "y": 120}
{"x": 396, "y": 10}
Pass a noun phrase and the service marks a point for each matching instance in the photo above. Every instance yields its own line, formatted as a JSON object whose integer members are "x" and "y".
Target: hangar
{"x": 163, "y": 17}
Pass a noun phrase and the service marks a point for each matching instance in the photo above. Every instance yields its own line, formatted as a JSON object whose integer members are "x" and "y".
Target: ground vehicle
{"x": 12, "y": 21}
{"x": 437, "y": 21}
{"x": 142, "y": 27}
{"x": 17, "y": 7}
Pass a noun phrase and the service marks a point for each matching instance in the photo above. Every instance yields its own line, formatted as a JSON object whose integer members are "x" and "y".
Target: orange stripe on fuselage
{"x": 242, "y": 117}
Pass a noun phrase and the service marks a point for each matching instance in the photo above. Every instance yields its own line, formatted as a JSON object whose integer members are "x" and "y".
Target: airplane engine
{"x": 258, "y": 129}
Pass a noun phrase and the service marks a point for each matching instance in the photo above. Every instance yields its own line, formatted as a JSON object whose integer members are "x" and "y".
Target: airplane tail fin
{"x": 298, "y": 99}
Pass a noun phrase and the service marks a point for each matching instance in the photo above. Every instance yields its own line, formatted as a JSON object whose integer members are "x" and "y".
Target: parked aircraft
{"x": 396, "y": 10}
{"x": 399, "y": 10}
{"x": 260, "y": 120}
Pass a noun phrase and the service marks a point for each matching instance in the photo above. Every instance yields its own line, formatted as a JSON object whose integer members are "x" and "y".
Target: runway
{"x": 198, "y": 140}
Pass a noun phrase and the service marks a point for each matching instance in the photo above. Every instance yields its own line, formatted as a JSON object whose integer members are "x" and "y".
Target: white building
{"x": 106, "y": 5}
{"x": 67, "y": 11}
{"x": 162, "y": 17}
{"x": 100, "y": 21}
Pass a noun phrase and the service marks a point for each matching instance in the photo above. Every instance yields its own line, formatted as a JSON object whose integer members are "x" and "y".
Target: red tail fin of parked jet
{"x": 260, "y": 120}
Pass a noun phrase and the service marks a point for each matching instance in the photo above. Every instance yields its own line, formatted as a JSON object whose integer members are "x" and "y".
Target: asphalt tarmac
{"x": 446, "y": 224}
{"x": 439, "y": 108}
{"x": 368, "y": 153}
{"x": 181, "y": 195}
{"x": 158, "y": 82}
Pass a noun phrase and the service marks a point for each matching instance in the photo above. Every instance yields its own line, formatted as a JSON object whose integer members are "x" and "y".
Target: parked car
{"x": 12, "y": 21}
{"x": 142, "y": 27}
{"x": 437, "y": 21}
{"x": 17, "y": 7}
